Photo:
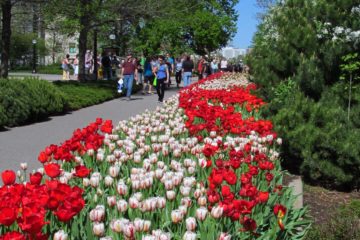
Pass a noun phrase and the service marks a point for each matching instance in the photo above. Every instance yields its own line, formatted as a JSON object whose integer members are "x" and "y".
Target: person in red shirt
{"x": 129, "y": 73}
{"x": 201, "y": 67}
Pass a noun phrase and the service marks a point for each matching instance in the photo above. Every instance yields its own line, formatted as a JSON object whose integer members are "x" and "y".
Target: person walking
{"x": 76, "y": 67}
{"x": 106, "y": 65}
{"x": 162, "y": 74}
{"x": 178, "y": 68}
{"x": 148, "y": 76}
{"x": 66, "y": 69}
{"x": 129, "y": 72}
{"x": 88, "y": 62}
{"x": 170, "y": 63}
{"x": 224, "y": 65}
{"x": 187, "y": 69}
{"x": 201, "y": 67}
{"x": 214, "y": 66}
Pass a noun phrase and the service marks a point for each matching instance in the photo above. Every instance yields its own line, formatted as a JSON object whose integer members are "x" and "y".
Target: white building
{"x": 232, "y": 52}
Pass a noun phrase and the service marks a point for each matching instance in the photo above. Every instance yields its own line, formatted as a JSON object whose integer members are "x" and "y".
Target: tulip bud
{"x": 63, "y": 180}
{"x": 23, "y": 166}
{"x": 202, "y": 201}
{"x": 147, "y": 225}
{"x": 191, "y": 170}
{"x": 201, "y": 213}
{"x": 97, "y": 214}
{"x": 100, "y": 156}
{"x": 129, "y": 231}
{"x": 122, "y": 205}
{"x": 183, "y": 209}
{"x": 109, "y": 181}
{"x": 190, "y": 224}
{"x": 186, "y": 201}
{"x": 185, "y": 191}
{"x": 216, "y": 212}
{"x": 189, "y": 236}
{"x": 98, "y": 229}
{"x": 114, "y": 171}
{"x": 86, "y": 182}
{"x": 122, "y": 188}
{"x": 139, "y": 224}
{"x": 106, "y": 238}
{"x": 116, "y": 226}
{"x": 111, "y": 200}
{"x": 176, "y": 216}
{"x": 90, "y": 152}
{"x": 94, "y": 181}
{"x": 197, "y": 193}
{"x": 161, "y": 202}
{"x": 60, "y": 235}
{"x": 170, "y": 195}
{"x": 224, "y": 236}
{"x": 133, "y": 202}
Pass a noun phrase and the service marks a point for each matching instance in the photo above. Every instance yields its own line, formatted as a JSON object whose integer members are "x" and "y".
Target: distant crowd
{"x": 155, "y": 71}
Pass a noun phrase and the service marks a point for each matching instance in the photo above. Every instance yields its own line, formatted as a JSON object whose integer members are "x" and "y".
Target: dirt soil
{"x": 322, "y": 202}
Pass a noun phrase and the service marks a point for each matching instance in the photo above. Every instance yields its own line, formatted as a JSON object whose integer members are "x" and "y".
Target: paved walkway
{"x": 23, "y": 144}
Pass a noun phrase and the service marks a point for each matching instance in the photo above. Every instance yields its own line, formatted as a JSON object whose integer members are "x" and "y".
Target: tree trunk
{"x": 85, "y": 25}
{"x": 95, "y": 56}
{"x": 5, "y": 38}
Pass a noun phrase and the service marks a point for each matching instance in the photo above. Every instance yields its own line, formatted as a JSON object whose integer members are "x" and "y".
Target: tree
{"x": 197, "y": 26}
{"x": 296, "y": 59}
{"x": 6, "y": 6}
{"x": 6, "y": 9}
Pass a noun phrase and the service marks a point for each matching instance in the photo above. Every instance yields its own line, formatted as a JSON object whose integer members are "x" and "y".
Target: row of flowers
{"x": 203, "y": 166}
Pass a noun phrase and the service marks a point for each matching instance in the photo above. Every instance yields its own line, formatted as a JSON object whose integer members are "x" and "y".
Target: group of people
{"x": 155, "y": 71}
{"x": 150, "y": 72}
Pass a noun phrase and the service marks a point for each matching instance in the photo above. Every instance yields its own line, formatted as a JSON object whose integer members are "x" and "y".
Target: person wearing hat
{"x": 129, "y": 73}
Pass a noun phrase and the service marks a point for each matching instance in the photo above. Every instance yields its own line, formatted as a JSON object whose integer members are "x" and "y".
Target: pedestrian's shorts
{"x": 149, "y": 79}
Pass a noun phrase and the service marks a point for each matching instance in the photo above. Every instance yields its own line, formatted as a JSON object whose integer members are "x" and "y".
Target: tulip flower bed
{"x": 203, "y": 166}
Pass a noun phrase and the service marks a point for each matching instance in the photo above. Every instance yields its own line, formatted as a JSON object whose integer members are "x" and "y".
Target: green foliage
{"x": 192, "y": 26}
{"x": 22, "y": 46}
{"x": 28, "y": 100}
{"x": 344, "y": 224}
{"x": 79, "y": 95}
{"x": 318, "y": 140}
{"x": 47, "y": 69}
{"x": 298, "y": 60}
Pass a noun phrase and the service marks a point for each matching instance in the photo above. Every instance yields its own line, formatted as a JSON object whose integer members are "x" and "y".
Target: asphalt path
{"x": 23, "y": 144}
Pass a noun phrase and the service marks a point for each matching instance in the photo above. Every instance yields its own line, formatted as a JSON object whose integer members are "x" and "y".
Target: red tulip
{"x": 52, "y": 170}
{"x": 279, "y": 210}
{"x": 12, "y": 236}
{"x": 35, "y": 178}
{"x": 82, "y": 171}
{"x": 7, "y": 216}
{"x": 249, "y": 224}
{"x": 263, "y": 197}
{"x": 8, "y": 177}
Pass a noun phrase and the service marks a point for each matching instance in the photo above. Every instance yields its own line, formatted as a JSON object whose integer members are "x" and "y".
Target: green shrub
{"x": 319, "y": 141}
{"x": 344, "y": 224}
{"x": 29, "y": 100}
{"x": 52, "y": 69}
{"x": 79, "y": 95}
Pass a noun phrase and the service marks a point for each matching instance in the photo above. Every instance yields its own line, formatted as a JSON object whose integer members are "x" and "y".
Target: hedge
{"x": 30, "y": 100}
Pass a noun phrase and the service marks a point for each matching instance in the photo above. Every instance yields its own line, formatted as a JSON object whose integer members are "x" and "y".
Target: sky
{"x": 247, "y": 22}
